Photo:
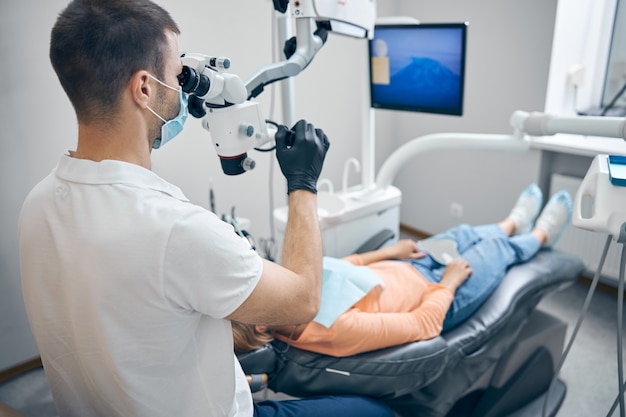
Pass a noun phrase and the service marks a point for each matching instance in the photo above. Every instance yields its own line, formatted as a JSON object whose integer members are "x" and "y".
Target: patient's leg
{"x": 524, "y": 212}
{"x": 508, "y": 225}
{"x": 489, "y": 260}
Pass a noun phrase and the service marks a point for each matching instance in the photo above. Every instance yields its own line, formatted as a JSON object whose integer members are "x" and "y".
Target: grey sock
{"x": 526, "y": 209}
{"x": 555, "y": 217}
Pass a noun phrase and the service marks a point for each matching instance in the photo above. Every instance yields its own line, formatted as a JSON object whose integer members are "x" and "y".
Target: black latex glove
{"x": 300, "y": 153}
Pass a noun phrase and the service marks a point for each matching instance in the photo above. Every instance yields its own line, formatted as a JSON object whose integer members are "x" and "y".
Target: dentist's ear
{"x": 141, "y": 88}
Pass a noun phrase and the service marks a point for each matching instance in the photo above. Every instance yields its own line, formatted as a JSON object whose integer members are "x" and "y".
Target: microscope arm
{"x": 308, "y": 43}
{"x": 314, "y": 18}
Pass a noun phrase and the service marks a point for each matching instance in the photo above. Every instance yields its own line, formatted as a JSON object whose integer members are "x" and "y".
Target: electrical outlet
{"x": 456, "y": 210}
{"x": 575, "y": 76}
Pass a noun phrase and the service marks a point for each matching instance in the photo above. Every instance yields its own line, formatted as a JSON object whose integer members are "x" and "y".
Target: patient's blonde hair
{"x": 246, "y": 337}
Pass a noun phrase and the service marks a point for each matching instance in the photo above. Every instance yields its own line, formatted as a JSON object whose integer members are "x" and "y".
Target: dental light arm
{"x": 441, "y": 141}
{"x": 222, "y": 99}
{"x": 542, "y": 124}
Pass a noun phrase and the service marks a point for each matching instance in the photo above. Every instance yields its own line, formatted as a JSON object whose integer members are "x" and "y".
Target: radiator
{"x": 585, "y": 244}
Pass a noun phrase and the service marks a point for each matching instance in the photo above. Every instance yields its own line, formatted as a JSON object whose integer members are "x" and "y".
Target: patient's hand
{"x": 405, "y": 249}
{"x": 456, "y": 272}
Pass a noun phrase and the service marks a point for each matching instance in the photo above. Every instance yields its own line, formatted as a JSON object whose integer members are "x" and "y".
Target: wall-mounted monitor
{"x": 418, "y": 67}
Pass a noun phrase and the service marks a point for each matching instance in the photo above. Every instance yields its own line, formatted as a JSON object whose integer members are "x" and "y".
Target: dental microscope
{"x": 224, "y": 102}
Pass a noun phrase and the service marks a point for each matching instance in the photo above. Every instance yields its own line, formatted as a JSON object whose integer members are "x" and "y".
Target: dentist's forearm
{"x": 302, "y": 247}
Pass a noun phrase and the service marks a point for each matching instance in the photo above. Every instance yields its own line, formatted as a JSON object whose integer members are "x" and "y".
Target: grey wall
{"x": 507, "y": 70}
{"x": 33, "y": 109}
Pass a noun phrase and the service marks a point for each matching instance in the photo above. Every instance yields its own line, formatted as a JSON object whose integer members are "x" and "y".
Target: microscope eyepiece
{"x": 193, "y": 82}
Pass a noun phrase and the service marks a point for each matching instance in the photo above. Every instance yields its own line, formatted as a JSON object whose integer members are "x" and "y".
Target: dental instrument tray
{"x": 617, "y": 170}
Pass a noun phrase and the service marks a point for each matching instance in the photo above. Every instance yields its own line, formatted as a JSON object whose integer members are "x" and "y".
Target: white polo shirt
{"x": 126, "y": 285}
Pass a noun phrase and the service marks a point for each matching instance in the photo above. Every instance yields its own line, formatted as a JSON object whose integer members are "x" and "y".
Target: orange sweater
{"x": 408, "y": 309}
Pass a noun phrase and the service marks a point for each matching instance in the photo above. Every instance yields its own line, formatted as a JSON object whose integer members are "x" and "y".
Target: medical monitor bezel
{"x": 457, "y": 109}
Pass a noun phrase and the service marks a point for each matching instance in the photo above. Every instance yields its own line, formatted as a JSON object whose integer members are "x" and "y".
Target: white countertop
{"x": 579, "y": 145}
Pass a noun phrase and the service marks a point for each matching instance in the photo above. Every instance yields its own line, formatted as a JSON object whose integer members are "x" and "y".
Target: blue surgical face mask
{"x": 173, "y": 127}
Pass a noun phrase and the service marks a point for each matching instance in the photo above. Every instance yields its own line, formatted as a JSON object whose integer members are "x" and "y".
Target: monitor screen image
{"x": 418, "y": 67}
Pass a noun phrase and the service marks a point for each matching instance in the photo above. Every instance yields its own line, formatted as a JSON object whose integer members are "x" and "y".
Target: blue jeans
{"x": 328, "y": 406}
{"x": 490, "y": 252}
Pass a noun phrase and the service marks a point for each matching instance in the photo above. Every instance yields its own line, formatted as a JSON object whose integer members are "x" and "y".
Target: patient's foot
{"x": 555, "y": 217}
{"x": 526, "y": 209}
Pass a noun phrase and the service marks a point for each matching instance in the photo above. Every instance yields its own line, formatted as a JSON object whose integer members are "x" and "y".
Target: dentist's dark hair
{"x": 97, "y": 45}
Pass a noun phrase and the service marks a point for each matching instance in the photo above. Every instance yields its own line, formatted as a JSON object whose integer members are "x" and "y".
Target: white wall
{"x": 509, "y": 51}
{"x": 582, "y": 38}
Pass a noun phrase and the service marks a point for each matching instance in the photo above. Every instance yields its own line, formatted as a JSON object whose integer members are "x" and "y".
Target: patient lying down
{"x": 400, "y": 294}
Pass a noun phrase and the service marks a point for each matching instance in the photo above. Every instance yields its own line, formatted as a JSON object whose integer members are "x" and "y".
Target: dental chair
{"x": 499, "y": 362}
